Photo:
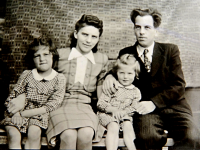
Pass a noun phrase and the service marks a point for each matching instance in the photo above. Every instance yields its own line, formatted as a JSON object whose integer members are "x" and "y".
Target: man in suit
{"x": 161, "y": 81}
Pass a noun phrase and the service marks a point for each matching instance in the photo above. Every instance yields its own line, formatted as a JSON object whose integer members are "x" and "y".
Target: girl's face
{"x": 43, "y": 59}
{"x": 87, "y": 37}
{"x": 125, "y": 74}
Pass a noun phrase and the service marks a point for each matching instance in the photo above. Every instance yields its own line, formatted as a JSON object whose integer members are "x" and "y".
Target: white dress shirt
{"x": 81, "y": 63}
{"x": 141, "y": 49}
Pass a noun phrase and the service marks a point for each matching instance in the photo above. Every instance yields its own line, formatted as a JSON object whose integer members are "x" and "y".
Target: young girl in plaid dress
{"x": 44, "y": 89}
{"x": 116, "y": 111}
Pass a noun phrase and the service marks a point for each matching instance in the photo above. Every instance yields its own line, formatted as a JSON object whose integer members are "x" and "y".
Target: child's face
{"x": 87, "y": 37}
{"x": 43, "y": 59}
{"x": 125, "y": 74}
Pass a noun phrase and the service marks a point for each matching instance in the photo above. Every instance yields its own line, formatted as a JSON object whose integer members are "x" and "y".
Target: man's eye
{"x": 147, "y": 27}
{"x": 137, "y": 27}
{"x": 94, "y": 37}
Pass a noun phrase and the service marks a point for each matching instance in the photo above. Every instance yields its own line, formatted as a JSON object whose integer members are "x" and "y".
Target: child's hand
{"x": 17, "y": 119}
{"x": 119, "y": 114}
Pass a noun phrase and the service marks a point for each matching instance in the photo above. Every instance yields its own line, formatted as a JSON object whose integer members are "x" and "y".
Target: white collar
{"x": 75, "y": 54}
{"x": 38, "y": 77}
{"x": 141, "y": 49}
{"x": 127, "y": 87}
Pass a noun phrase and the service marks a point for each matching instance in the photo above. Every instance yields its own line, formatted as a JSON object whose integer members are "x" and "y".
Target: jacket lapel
{"x": 157, "y": 58}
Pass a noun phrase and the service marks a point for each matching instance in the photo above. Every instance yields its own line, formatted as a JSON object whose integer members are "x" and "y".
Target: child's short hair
{"x": 34, "y": 47}
{"x": 127, "y": 59}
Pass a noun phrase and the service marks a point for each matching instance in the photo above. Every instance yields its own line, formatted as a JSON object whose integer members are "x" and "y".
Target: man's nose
{"x": 142, "y": 30}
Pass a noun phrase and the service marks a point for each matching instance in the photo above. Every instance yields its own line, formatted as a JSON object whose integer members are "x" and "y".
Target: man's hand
{"x": 17, "y": 119}
{"x": 110, "y": 85}
{"x": 145, "y": 107}
{"x": 17, "y": 104}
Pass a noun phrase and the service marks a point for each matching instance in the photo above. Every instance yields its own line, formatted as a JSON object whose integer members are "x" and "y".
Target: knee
{"x": 34, "y": 133}
{"x": 13, "y": 134}
{"x": 68, "y": 135}
{"x": 113, "y": 128}
{"x": 85, "y": 134}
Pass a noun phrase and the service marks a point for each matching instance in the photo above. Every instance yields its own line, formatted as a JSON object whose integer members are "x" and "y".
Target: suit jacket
{"x": 165, "y": 84}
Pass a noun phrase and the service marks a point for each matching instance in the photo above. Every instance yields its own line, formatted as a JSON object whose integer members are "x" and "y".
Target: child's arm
{"x": 16, "y": 99}
{"x": 54, "y": 100}
{"x": 17, "y": 104}
{"x": 136, "y": 98}
{"x": 104, "y": 105}
{"x": 33, "y": 112}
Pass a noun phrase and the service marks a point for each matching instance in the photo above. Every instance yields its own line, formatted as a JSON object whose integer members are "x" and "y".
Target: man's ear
{"x": 75, "y": 33}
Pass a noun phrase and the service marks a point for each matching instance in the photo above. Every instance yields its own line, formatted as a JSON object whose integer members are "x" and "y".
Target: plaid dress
{"x": 39, "y": 93}
{"x": 123, "y": 99}
{"x": 76, "y": 111}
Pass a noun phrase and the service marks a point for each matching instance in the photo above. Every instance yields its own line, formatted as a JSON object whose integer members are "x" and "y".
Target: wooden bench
{"x": 4, "y": 141}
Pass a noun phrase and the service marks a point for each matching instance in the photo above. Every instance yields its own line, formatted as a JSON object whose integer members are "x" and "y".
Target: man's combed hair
{"x": 127, "y": 59}
{"x": 149, "y": 11}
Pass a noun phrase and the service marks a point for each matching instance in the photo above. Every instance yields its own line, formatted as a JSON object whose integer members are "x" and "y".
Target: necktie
{"x": 147, "y": 63}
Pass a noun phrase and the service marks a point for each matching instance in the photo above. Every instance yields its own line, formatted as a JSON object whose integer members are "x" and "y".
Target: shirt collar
{"x": 75, "y": 54}
{"x": 38, "y": 77}
{"x": 127, "y": 87}
{"x": 141, "y": 49}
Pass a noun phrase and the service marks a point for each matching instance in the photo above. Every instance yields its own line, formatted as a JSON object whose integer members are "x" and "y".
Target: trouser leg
{"x": 149, "y": 130}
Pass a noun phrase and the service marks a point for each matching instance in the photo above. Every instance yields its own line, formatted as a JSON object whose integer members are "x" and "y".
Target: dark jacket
{"x": 165, "y": 84}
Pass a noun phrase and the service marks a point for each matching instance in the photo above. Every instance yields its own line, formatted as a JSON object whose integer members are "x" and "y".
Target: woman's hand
{"x": 17, "y": 119}
{"x": 110, "y": 85}
{"x": 17, "y": 104}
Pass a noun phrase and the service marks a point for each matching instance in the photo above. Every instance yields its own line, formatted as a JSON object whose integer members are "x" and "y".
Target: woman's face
{"x": 87, "y": 37}
{"x": 43, "y": 59}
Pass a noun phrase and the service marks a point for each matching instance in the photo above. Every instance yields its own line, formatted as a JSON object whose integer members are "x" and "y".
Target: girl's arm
{"x": 103, "y": 103}
{"x": 54, "y": 101}
{"x": 33, "y": 112}
{"x": 136, "y": 98}
{"x": 16, "y": 100}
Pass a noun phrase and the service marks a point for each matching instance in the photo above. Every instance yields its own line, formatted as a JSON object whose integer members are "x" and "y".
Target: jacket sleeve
{"x": 174, "y": 88}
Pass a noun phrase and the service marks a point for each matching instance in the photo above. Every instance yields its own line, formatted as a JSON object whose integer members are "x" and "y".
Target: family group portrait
{"x": 100, "y": 74}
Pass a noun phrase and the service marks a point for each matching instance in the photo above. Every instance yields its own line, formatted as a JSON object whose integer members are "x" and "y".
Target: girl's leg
{"x": 14, "y": 137}
{"x": 84, "y": 141}
{"x": 112, "y": 137}
{"x": 33, "y": 137}
{"x": 129, "y": 135}
{"x": 68, "y": 139}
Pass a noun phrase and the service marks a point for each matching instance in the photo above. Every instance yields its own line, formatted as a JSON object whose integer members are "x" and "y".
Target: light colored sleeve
{"x": 103, "y": 102}
{"x": 19, "y": 88}
{"x": 136, "y": 98}
{"x": 57, "y": 96}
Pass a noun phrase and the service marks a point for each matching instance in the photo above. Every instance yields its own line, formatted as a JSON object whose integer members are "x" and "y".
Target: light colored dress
{"x": 45, "y": 92}
{"x": 76, "y": 110}
{"x": 125, "y": 98}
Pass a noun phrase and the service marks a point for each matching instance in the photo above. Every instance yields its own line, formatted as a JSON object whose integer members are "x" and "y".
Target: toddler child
{"x": 116, "y": 111}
